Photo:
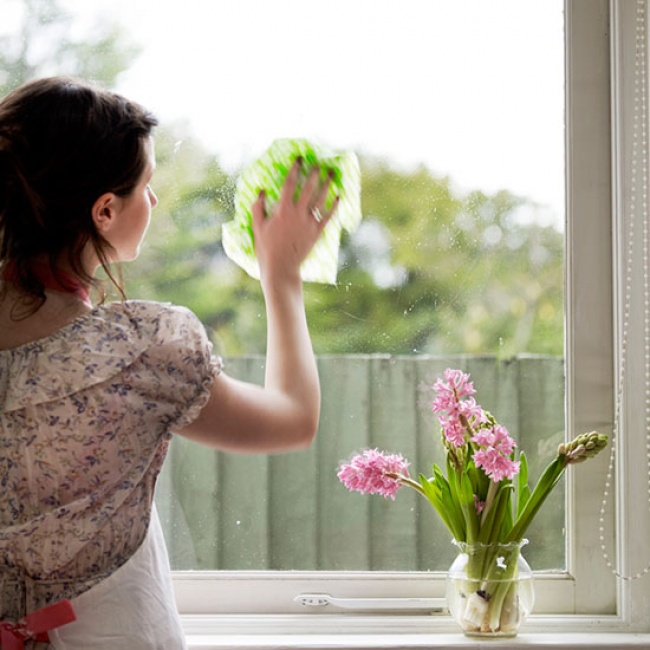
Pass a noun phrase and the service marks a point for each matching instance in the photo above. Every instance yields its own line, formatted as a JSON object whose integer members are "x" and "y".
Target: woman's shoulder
{"x": 97, "y": 346}
{"x": 145, "y": 317}
{"x": 129, "y": 321}
{"x": 142, "y": 310}
{"x": 155, "y": 324}
{"x": 140, "y": 322}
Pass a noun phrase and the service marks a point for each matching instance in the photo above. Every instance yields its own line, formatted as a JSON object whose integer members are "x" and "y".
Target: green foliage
{"x": 523, "y": 489}
{"x": 416, "y": 277}
{"x": 438, "y": 491}
{"x": 430, "y": 269}
{"x": 43, "y": 46}
{"x": 507, "y": 514}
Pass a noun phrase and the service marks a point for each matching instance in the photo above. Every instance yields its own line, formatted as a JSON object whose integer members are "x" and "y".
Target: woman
{"x": 91, "y": 395}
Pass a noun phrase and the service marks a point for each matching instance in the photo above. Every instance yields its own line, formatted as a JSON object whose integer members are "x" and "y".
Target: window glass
{"x": 456, "y": 113}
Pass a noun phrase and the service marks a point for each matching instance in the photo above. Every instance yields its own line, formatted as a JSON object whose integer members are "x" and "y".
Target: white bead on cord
{"x": 640, "y": 116}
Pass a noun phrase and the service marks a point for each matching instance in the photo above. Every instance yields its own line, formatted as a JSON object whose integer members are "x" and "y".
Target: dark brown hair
{"x": 63, "y": 143}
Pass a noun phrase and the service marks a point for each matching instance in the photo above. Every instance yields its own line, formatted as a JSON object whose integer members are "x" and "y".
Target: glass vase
{"x": 490, "y": 589}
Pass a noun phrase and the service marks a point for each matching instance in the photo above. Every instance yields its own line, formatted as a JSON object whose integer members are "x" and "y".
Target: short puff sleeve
{"x": 175, "y": 374}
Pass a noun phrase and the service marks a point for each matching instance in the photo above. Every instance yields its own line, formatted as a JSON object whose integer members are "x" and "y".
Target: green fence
{"x": 289, "y": 511}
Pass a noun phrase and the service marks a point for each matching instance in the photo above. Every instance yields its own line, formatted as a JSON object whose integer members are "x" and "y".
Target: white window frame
{"x": 585, "y": 597}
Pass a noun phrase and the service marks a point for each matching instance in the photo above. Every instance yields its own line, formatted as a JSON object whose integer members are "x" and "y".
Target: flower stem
{"x": 406, "y": 481}
{"x": 489, "y": 500}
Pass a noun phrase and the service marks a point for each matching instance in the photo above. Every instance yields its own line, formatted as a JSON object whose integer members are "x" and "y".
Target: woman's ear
{"x": 103, "y": 212}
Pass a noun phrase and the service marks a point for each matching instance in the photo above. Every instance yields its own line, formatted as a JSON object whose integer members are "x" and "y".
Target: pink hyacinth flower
{"x": 450, "y": 406}
{"x": 496, "y": 437}
{"x": 453, "y": 430}
{"x": 495, "y": 465}
{"x": 368, "y": 471}
{"x": 454, "y": 385}
{"x": 471, "y": 411}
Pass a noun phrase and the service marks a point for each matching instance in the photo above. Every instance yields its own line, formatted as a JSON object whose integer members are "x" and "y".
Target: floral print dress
{"x": 86, "y": 415}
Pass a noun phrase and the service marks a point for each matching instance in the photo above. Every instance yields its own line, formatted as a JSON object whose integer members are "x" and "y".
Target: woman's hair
{"x": 63, "y": 143}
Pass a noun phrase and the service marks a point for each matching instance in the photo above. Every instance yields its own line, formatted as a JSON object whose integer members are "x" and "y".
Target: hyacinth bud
{"x": 584, "y": 446}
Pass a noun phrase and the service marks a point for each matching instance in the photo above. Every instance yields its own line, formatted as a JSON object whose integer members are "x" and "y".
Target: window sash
{"x": 599, "y": 35}
{"x": 632, "y": 523}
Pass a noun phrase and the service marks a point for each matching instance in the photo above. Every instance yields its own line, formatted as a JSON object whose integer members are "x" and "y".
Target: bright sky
{"x": 471, "y": 88}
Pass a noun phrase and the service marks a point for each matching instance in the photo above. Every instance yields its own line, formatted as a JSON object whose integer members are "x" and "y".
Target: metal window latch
{"x": 321, "y": 600}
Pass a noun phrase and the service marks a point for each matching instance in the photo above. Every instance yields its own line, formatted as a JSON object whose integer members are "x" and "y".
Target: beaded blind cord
{"x": 638, "y": 186}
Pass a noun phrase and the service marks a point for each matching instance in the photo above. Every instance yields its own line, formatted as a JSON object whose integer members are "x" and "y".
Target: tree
{"x": 43, "y": 46}
{"x": 430, "y": 269}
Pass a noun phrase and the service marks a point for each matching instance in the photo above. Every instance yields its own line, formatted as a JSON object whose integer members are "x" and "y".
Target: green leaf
{"x": 452, "y": 479}
{"x": 434, "y": 494}
{"x": 491, "y": 527}
{"x": 431, "y": 491}
{"x": 523, "y": 489}
{"x": 507, "y": 520}
{"x": 545, "y": 485}
{"x": 468, "y": 508}
{"x": 480, "y": 482}
{"x": 450, "y": 504}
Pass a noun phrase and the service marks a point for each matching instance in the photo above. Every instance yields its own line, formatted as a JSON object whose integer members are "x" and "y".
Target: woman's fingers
{"x": 317, "y": 206}
{"x": 309, "y": 190}
{"x": 311, "y": 201}
{"x": 289, "y": 187}
{"x": 258, "y": 210}
{"x": 322, "y": 217}
{"x": 321, "y": 196}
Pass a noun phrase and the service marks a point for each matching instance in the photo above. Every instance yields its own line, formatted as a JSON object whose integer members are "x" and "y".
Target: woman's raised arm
{"x": 283, "y": 414}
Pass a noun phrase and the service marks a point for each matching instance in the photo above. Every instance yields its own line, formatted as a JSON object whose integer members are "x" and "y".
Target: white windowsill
{"x": 572, "y": 641}
{"x": 382, "y": 632}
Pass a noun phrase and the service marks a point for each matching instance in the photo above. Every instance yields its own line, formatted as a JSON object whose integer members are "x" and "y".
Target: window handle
{"x": 320, "y": 600}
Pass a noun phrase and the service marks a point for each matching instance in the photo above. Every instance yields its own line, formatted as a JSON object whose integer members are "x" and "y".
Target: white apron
{"x": 133, "y": 609}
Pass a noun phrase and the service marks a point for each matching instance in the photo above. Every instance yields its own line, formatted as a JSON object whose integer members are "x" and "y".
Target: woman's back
{"x": 58, "y": 310}
{"x": 86, "y": 414}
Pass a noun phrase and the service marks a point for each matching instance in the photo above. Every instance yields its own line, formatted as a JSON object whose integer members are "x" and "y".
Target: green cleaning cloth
{"x": 268, "y": 173}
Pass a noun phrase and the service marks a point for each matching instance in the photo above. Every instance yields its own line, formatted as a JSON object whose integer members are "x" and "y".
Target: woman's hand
{"x": 284, "y": 238}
